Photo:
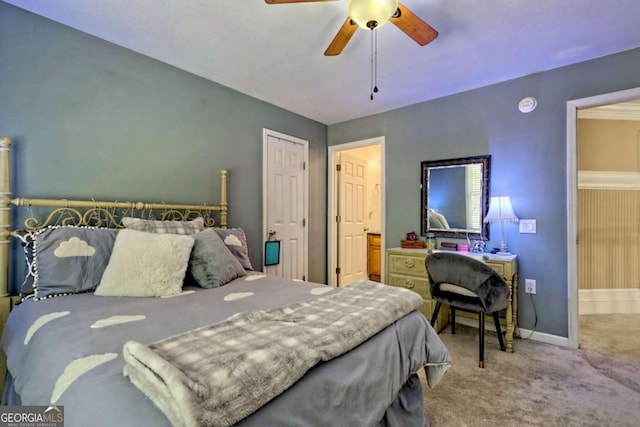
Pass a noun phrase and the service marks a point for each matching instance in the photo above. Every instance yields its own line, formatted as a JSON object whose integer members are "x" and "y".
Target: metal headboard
{"x": 89, "y": 212}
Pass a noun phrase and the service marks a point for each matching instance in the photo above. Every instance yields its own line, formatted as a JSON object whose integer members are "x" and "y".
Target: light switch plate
{"x": 528, "y": 226}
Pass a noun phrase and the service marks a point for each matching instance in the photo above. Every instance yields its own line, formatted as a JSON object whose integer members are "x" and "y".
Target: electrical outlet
{"x": 530, "y": 286}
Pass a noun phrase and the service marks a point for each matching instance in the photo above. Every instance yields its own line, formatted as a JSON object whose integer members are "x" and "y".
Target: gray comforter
{"x": 68, "y": 351}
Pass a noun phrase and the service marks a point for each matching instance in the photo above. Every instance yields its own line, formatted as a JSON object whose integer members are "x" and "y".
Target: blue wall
{"x": 528, "y": 156}
{"x": 90, "y": 119}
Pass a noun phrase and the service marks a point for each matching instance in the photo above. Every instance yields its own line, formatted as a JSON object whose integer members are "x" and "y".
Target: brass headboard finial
{"x": 5, "y": 213}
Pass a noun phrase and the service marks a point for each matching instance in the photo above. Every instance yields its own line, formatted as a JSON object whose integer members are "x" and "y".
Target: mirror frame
{"x": 456, "y": 233}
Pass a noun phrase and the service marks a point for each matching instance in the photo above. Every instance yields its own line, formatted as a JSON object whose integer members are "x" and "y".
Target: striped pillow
{"x": 164, "y": 227}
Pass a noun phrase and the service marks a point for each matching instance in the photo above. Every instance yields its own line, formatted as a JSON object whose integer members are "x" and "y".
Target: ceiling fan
{"x": 372, "y": 14}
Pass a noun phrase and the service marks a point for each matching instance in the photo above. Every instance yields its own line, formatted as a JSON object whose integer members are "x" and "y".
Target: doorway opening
{"x": 573, "y": 206}
{"x": 356, "y": 211}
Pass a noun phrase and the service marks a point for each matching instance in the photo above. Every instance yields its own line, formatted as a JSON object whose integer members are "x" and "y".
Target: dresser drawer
{"x": 499, "y": 267}
{"x": 417, "y": 284}
{"x": 405, "y": 264}
{"x": 426, "y": 309}
{"x": 442, "y": 321}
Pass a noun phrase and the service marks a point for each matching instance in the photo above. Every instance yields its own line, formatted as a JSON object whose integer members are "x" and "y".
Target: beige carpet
{"x": 541, "y": 384}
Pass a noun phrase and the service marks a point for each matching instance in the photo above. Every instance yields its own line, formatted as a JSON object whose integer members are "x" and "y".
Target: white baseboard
{"x": 524, "y": 333}
{"x": 609, "y": 301}
{"x": 544, "y": 337}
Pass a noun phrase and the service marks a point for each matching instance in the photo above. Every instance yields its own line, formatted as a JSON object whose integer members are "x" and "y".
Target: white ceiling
{"x": 275, "y": 52}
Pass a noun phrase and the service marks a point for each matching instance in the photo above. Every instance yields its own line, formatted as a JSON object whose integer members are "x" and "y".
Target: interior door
{"x": 352, "y": 242}
{"x": 285, "y": 205}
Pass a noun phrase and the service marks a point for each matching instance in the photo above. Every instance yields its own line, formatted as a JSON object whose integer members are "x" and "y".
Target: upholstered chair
{"x": 468, "y": 284}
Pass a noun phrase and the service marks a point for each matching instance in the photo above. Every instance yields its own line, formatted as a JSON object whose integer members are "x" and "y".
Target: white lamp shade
{"x": 364, "y": 11}
{"x": 500, "y": 209}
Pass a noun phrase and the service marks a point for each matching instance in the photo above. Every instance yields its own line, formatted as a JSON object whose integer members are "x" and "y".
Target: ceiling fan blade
{"x": 293, "y": 1}
{"x": 413, "y": 26}
{"x": 342, "y": 38}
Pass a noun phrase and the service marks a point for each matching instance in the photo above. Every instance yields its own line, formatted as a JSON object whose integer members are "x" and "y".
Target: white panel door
{"x": 352, "y": 242}
{"x": 285, "y": 205}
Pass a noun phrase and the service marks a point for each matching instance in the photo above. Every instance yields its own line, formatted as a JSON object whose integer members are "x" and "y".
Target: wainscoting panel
{"x": 609, "y": 301}
{"x": 609, "y": 239}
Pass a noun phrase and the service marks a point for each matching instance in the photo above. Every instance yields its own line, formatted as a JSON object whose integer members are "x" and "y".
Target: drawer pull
{"x": 409, "y": 263}
{"x": 409, "y": 284}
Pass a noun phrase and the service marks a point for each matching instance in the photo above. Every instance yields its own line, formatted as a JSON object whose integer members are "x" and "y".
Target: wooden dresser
{"x": 405, "y": 268}
{"x": 374, "y": 256}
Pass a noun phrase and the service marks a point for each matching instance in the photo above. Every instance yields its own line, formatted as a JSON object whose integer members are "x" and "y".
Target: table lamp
{"x": 500, "y": 210}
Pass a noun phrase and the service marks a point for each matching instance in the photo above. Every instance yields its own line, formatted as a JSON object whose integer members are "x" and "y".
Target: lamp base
{"x": 505, "y": 253}
{"x": 502, "y": 250}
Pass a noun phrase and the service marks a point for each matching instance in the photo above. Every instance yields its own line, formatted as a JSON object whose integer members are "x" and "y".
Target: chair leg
{"x": 481, "y": 340}
{"x": 453, "y": 319}
{"x": 496, "y": 320}
{"x": 434, "y": 316}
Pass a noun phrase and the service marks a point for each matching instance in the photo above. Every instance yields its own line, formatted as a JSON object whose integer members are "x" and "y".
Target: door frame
{"x": 572, "y": 197}
{"x": 266, "y": 133}
{"x": 332, "y": 208}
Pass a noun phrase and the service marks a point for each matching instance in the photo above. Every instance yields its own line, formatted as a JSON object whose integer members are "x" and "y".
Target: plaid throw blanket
{"x": 219, "y": 374}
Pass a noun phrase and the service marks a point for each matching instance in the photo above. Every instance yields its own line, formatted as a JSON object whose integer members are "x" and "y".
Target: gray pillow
{"x": 236, "y": 242}
{"x": 70, "y": 260}
{"x": 211, "y": 263}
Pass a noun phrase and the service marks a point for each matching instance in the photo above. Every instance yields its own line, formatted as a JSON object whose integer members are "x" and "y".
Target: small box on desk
{"x": 412, "y": 244}
{"x": 448, "y": 246}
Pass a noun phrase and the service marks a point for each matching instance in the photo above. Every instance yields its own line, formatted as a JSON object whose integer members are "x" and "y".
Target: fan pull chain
{"x": 371, "y": 56}
{"x": 374, "y": 62}
{"x": 375, "y": 79}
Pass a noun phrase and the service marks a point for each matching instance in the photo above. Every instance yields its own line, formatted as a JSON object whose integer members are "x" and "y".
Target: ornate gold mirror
{"x": 455, "y": 197}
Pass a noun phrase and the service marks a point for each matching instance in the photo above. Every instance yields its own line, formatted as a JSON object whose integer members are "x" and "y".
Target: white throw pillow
{"x": 146, "y": 265}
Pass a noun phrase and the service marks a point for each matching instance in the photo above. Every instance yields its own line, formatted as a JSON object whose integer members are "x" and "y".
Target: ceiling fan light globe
{"x": 362, "y": 12}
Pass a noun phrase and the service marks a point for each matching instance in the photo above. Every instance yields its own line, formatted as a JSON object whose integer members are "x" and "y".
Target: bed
{"x": 180, "y": 329}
